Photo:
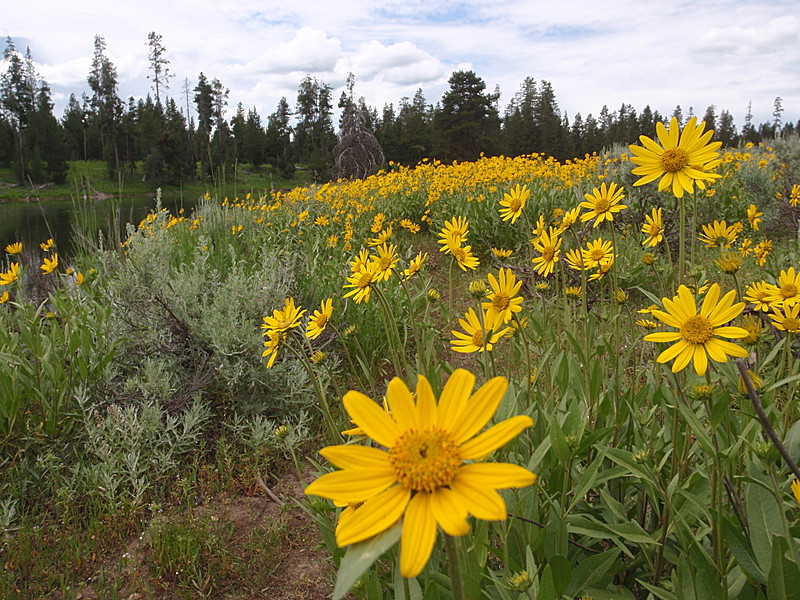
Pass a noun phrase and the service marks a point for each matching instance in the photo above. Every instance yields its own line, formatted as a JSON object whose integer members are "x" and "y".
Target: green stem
{"x": 454, "y": 565}
{"x": 333, "y": 431}
{"x": 394, "y": 334}
{"x": 681, "y": 241}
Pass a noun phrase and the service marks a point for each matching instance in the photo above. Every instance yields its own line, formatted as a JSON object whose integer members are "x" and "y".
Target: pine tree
{"x": 158, "y": 64}
{"x": 468, "y": 122}
{"x": 357, "y": 153}
{"x": 279, "y": 150}
{"x": 106, "y": 105}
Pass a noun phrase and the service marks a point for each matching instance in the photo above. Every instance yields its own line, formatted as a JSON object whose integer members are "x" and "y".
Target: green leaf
{"x": 414, "y": 589}
{"x": 547, "y": 586}
{"x": 591, "y": 571}
{"x": 764, "y": 517}
{"x": 359, "y": 557}
{"x": 559, "y": 442}
{"x": 783, "y": 582}
{"x": 742, "y": 552}
{"x": 562, "y": 573}
{"x": 588, "y": 479}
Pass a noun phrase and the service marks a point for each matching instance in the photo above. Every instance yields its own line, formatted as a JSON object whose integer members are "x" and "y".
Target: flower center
{"x": 500, "y": 302}
{"x": 789, "y": 290}
{"x": 697, "y": 330}
{"x": 477, "y": 339}
{"x": 596, "y": 254}
{"x": 514, "y": 204}
{"x": 460, "y": 254}
{"x": 322, "y": 320}
{"x": 548, "y": 253}
{"x": 365, "y": 280}
{"x": 653, "y": 229}
{"x": 674, "y": 159}
{"x": 602, "y": 205}
{"x": 425, "y": 460}
{"x": 791, "y": 324}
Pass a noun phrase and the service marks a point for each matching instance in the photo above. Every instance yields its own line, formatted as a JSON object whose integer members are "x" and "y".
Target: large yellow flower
{"x": 597, "y": 252}
{"x": 50, "y": 264}
{"x": 502, "y": 299}
{"x": 11, "y": 275}
{"x": 698, "y": 335}
{"x": 385, "y": 261}
{"x": 548, "y": 244}
{"x": 787, "y": 292}
{"x": 318, "y": 321}
{"x": 759, "y": 293}
{"x": 513, "y": 203}
{"x": 653, "y": 228}
{"x": 718, "y": 234}
{"x": 602, "y": 204}
{"x": 477, "y": 336}
{"x": 454, "y": 233}
{"x": 754, "y": 217}
{"x": 423, "y": 476}
{"x": 415, "y": 265}
{"x": 682, "y": 159}
{"x": 361, "y": 282}
{"x": 464, "y": 257}
{"x": 788, "y": 319}
{"x": 14, "y": 248}
{"x": 284, "y": 319}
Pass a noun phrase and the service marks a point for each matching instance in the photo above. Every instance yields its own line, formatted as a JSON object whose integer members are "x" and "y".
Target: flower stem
{"x": 454, "y": 565}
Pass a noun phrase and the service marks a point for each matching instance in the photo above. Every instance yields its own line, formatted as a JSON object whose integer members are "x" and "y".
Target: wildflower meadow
{"x": 510, "y": 378}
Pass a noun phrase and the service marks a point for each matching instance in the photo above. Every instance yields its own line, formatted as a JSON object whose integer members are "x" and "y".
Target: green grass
{"x": 89, "y": 177}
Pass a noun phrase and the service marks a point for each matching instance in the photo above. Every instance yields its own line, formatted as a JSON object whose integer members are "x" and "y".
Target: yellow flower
{"x": 787, "y": 292}
{"x": 464, "y": 257}
{"x": 385, "y": 261}
{"x": 647, "y": 323}
{"x": 648, "y": 258}
{"x": 11, "y": 275}
{"x": 415, "y": 265}
{"x": 14, "y": 248}
{"x": 653, "y": 228}
{"x": 501, "y": 252}
{"x": 752, "y": 325}
{"x": 698, "y": 334}
{"x": 753, "y": 217}
{"x": 758, "y": 293}
{"x": 597, "y": 252}
{"x": 513, "y": 203}
{"x": 788, "y": 320}
{"x": 48, "y": 245}
{"x": 548, "y": 246}
{"x": 761, "y": 251}
{"x": 729, "y": 262}
{"x": 718, "y": 235}
{"x": 285, "y": 319}
{"x": 602, "y": 204}
{"x": 573, "y": 292}
{"x": 794, "y": 200}
{"x": 79, "y": 279}
{"x": 361, "y": 282}
{"x": 574, "y": 259}
{"x": 477, "y": 288}
{"x": 382, "y": 237}
{"x": 796, "y": 482}
{"x": 621, "y": 296}
{"x": 4, "y": 298}
{"x": 569, "y": 219}
{"x": 453, "y": 234}
{"x": 272, "y": 345}
{"x": 757, "y": 382}
{"x": 477, "y": 337}
{"x": 423, "y": 476}
{"x": 50, "y": 264}
{"x": 503, "y": 299}
{"x": 682, "y": 159}
{"x": 319, "y": 320}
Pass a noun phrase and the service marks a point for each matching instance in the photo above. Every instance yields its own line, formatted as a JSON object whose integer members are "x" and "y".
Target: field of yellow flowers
{"x": 527, "y": 379}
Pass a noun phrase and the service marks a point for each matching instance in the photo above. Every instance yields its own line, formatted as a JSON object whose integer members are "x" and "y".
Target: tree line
{"x": 168, "y": 140}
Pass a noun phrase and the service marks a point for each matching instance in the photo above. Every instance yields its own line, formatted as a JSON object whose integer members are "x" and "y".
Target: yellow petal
{"x": 700, "y": 359}
{"x": 497, "y": 475}
{"x": 426, "y": 403}
{"x": 375, "y": 421}
{"x": 479, "y": 409}
{"x": 355, "y": 456}
{"x": 494, "y": 437}
{"x": 374, "y": 516}
{"x": 401, "y": 404}
{"x": 483, "y": 502}
{"x": 351, "y": 485}
{"x": 454, "y": 396}
{"x": 449, "y": 514}
{"x": 419, "y": 535}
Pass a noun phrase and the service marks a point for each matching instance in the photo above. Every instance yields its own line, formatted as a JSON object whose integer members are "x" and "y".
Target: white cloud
{"x": 310, "y": 51}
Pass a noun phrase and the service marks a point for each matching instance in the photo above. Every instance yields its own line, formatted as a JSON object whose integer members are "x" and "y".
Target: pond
{"x": 59, "y": 218}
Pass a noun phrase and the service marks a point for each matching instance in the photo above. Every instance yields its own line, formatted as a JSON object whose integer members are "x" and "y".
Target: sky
{"x": 661, "y": 53}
